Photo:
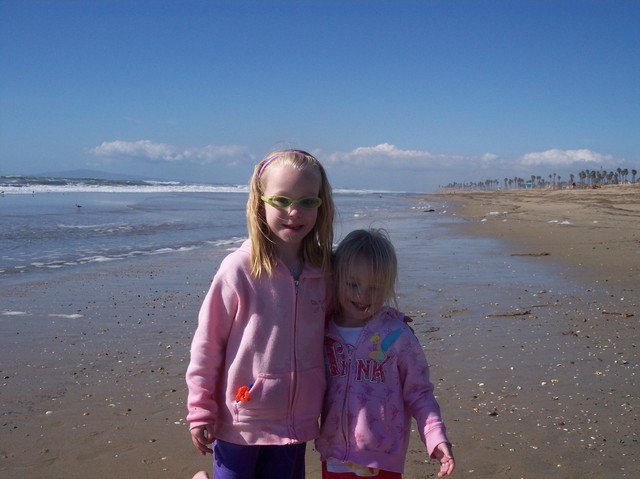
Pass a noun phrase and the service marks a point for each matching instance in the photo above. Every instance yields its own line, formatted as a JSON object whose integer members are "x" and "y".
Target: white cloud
{"x": 389, "y": 150}
{"x": 147, "y": 150}
{"x": 134, "y": 149}
{"x": 383, "y": 155}
{"x": 557, "y": 157}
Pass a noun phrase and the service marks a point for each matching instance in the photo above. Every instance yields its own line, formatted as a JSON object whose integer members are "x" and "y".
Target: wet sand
{"x": 544, "y": 381}
{"x": 530, "y": 329}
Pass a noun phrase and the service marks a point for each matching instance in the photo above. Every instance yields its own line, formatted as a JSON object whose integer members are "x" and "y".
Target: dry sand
{"x": 534, "y": 356}
{"x": 595, "y": 232}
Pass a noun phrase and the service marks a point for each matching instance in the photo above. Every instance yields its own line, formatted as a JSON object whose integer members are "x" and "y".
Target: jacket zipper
{"x": 345, "y": 404}
{"x": 294, "y": 385}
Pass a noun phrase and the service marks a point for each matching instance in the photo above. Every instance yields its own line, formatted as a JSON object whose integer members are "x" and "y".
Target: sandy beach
{"x": 546, "y": 384}
{"x": 530, "y": 329}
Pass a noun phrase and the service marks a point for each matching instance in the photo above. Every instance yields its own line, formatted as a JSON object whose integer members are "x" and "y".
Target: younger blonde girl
{"x": 378, "y": 374}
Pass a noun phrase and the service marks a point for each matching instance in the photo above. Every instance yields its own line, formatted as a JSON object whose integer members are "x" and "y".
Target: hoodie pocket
{"x": 268, "y": 399}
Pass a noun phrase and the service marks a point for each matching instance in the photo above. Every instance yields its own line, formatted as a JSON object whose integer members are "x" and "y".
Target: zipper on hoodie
{"x": 345, "y": 409}
{"x": 294, "y": 385}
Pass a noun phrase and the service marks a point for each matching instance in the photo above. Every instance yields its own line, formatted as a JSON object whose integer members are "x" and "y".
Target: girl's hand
{"x": 202, "y": 436}
{"x": 443, "y": 453}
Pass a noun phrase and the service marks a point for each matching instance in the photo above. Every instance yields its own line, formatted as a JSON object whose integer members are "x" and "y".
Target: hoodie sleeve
{"x": 418, "y": 393}
{"x": 206, "y": 367}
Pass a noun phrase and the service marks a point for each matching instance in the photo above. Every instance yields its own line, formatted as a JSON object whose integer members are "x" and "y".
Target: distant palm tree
{"x": 592, "y": 177}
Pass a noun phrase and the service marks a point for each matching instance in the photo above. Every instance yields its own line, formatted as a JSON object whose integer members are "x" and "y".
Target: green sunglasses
{"x": 281, "y": 202}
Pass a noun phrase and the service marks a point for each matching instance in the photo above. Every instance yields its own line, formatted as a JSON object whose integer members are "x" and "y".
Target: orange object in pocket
{"x": 243, "y": 394}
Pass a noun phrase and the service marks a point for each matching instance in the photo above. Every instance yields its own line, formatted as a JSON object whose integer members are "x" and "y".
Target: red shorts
{"x": 350, "y": 475}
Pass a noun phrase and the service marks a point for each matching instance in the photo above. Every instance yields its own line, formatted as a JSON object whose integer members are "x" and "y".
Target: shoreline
{"x": 595, "y": 232}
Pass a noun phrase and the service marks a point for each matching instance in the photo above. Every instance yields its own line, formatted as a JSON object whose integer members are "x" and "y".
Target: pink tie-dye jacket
{"x": 374, "y": 389}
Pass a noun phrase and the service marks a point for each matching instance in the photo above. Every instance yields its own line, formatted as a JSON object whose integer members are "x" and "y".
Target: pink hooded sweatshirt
{"x": 257, "y": 371}
{"x": 374, "y": 388}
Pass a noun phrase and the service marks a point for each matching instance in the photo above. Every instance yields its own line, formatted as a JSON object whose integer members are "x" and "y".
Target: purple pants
{"x": 233, "y": 461}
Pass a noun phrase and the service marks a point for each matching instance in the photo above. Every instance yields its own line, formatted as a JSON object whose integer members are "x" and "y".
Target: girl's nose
{"x": 362, "y": 295}
{"x": 293, "y": 210}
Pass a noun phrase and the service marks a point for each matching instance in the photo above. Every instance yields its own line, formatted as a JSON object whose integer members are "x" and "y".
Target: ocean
{"x": 54, "y": 224}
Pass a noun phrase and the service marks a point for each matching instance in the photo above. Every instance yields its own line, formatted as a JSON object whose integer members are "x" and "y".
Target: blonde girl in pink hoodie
{"x": 378, "y": 373}
{"x": 256, "y": 376}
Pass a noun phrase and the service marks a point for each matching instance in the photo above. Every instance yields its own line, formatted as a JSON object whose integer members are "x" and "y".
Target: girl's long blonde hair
{"x": 316, "y": 246}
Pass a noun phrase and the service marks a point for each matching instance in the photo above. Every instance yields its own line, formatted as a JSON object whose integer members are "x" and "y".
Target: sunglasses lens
{"x": 281, "y": 201}
{"x": 310, "y": 202}
{"x": 285, "y": 202}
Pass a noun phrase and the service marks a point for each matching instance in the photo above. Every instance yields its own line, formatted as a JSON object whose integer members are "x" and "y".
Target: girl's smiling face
{"x": 290, "y": 225}
{"x": 362, "y": 295}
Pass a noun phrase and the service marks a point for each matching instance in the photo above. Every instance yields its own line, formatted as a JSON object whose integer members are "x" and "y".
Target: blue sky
{"x": 398, "y": 95}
